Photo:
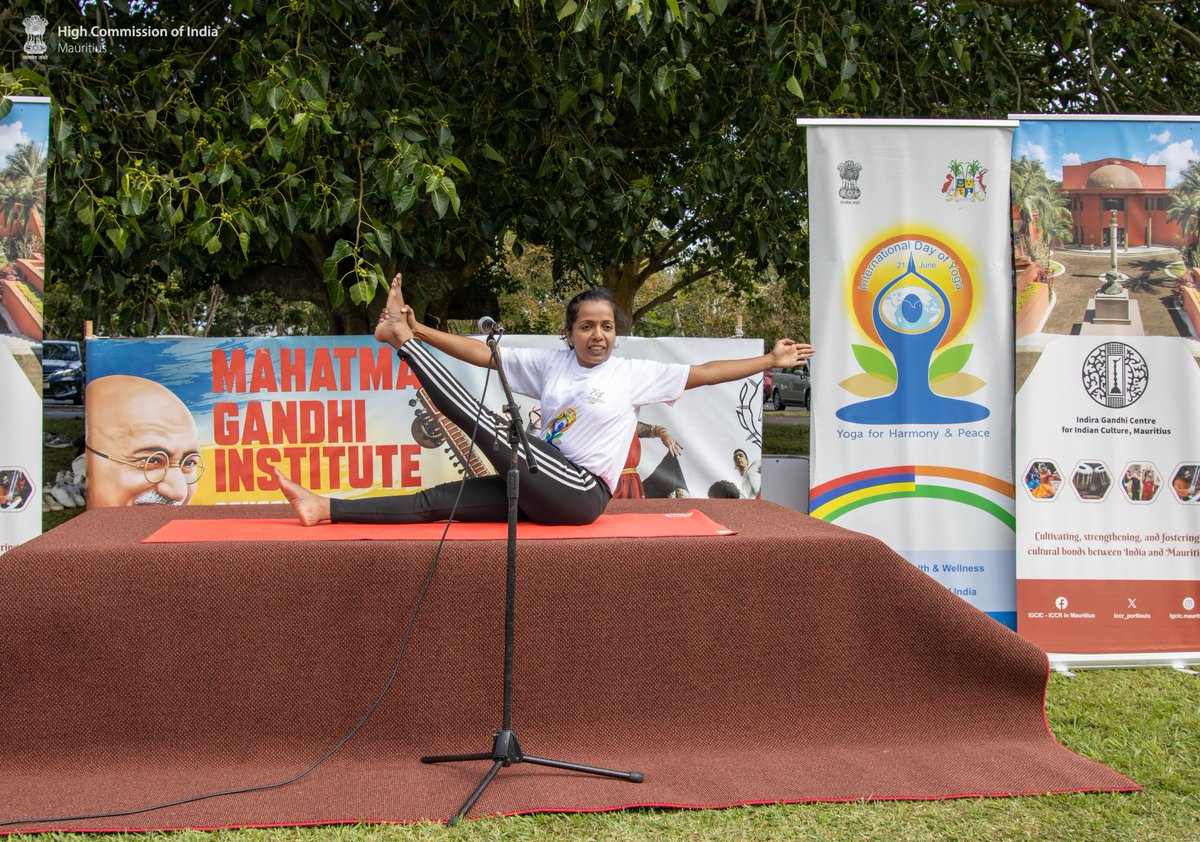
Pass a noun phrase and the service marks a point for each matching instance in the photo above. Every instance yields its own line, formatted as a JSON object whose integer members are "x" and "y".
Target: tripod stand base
{"x": 506, "y": 750}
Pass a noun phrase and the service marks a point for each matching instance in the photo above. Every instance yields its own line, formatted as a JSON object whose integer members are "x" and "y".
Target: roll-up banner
{"x": 20, "y": 449}
{"x": 343, "y": 415}
{"x": 1106, "y": 212}
{"x": 912, "y": 321}
{"x": 24, "y": 131}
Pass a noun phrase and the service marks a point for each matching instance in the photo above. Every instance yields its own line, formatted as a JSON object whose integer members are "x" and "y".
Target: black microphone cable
{"x": 412, "y": 619}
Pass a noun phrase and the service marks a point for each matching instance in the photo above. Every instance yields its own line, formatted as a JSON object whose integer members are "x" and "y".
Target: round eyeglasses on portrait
{"x": 156, "y": 465}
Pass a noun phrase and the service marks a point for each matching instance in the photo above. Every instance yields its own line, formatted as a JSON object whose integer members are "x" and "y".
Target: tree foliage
{"x": 22, "y": 185}
{"x": 314, "y": 148}
{"x": 1185, "y": 210}
{"x": 1043, "y": 207}
{"x": 769, "y": 309}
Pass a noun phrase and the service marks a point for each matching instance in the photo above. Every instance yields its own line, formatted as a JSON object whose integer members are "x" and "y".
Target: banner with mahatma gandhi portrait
{"x": 1108, "y": 379}
{"x": 911, "y": 315}
{"x": 177, "y": 421}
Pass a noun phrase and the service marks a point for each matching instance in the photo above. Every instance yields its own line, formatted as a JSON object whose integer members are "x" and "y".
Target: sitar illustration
{"x": 432, "y": 429}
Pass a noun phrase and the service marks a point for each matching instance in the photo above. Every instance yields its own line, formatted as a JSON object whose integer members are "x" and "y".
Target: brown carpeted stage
{"x": 795, "y": 661}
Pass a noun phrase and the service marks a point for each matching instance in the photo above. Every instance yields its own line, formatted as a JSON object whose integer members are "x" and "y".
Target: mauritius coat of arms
{"x": 964, "y": 182}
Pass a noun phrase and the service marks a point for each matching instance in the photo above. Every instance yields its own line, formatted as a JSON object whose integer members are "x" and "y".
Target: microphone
{"x": 489, "y": 325}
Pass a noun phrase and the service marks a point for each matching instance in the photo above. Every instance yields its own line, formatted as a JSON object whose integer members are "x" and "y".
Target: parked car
{"x": 768, "y": 376}
{"x": 62, "y": 370}
{"x": 783, "y": 386}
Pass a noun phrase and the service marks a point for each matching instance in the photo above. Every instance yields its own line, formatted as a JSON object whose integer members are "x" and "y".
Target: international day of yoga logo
{"x": 912, "y": 296}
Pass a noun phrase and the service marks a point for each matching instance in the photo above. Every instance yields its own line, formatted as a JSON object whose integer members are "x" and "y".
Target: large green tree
{"x": 313, "y": 148}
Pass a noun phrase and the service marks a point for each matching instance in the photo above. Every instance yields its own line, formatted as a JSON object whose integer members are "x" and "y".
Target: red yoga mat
{"x": 690, "y": 524}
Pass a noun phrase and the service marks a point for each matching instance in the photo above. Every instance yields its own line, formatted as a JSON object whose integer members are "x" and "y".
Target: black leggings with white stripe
{"x": 559, "y": 493}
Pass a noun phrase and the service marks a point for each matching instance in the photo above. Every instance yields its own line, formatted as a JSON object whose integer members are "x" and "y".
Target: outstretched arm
{"x": 787, "y": 352}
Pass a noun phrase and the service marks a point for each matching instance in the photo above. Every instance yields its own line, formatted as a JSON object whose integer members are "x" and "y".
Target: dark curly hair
{"x": 724, "y": 489}
{"x": 594, "y": 294}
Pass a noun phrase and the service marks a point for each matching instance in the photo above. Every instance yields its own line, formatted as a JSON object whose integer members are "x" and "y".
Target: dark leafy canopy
{"x": 314, "y": 148}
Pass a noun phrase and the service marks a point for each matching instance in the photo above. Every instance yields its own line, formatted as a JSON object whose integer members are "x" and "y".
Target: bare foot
{"x": 310, "y": 508}
{"x": 397, "y": 321}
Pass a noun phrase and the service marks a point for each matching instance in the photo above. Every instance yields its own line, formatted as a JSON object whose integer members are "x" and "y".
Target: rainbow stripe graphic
{"x": 832, "y": 499}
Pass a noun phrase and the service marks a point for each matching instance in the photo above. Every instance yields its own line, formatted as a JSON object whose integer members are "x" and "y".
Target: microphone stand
{"x": 506, "y": 749}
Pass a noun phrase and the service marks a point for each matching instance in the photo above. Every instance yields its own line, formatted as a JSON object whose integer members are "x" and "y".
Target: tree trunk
{"x": 438, "y": 293}
{"x": 435, "y": 293}
{"x": 624, "y": 281}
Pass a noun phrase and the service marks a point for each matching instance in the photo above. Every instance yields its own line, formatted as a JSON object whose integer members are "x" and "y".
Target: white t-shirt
{"x": 750, "y": 482}
{"x": 590, "y": 414}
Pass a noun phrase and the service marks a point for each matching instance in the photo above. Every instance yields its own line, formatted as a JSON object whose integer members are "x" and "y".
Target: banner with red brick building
{"x": 1108, "y": 400}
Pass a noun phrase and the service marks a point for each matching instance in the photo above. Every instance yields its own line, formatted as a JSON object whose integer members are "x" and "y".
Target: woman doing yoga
{"x": 589, "y": 405}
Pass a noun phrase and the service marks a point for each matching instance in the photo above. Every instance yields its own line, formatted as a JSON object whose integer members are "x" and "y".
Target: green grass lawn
{"x": 1144, "y": 723}
{"x": 785, "y": 439}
